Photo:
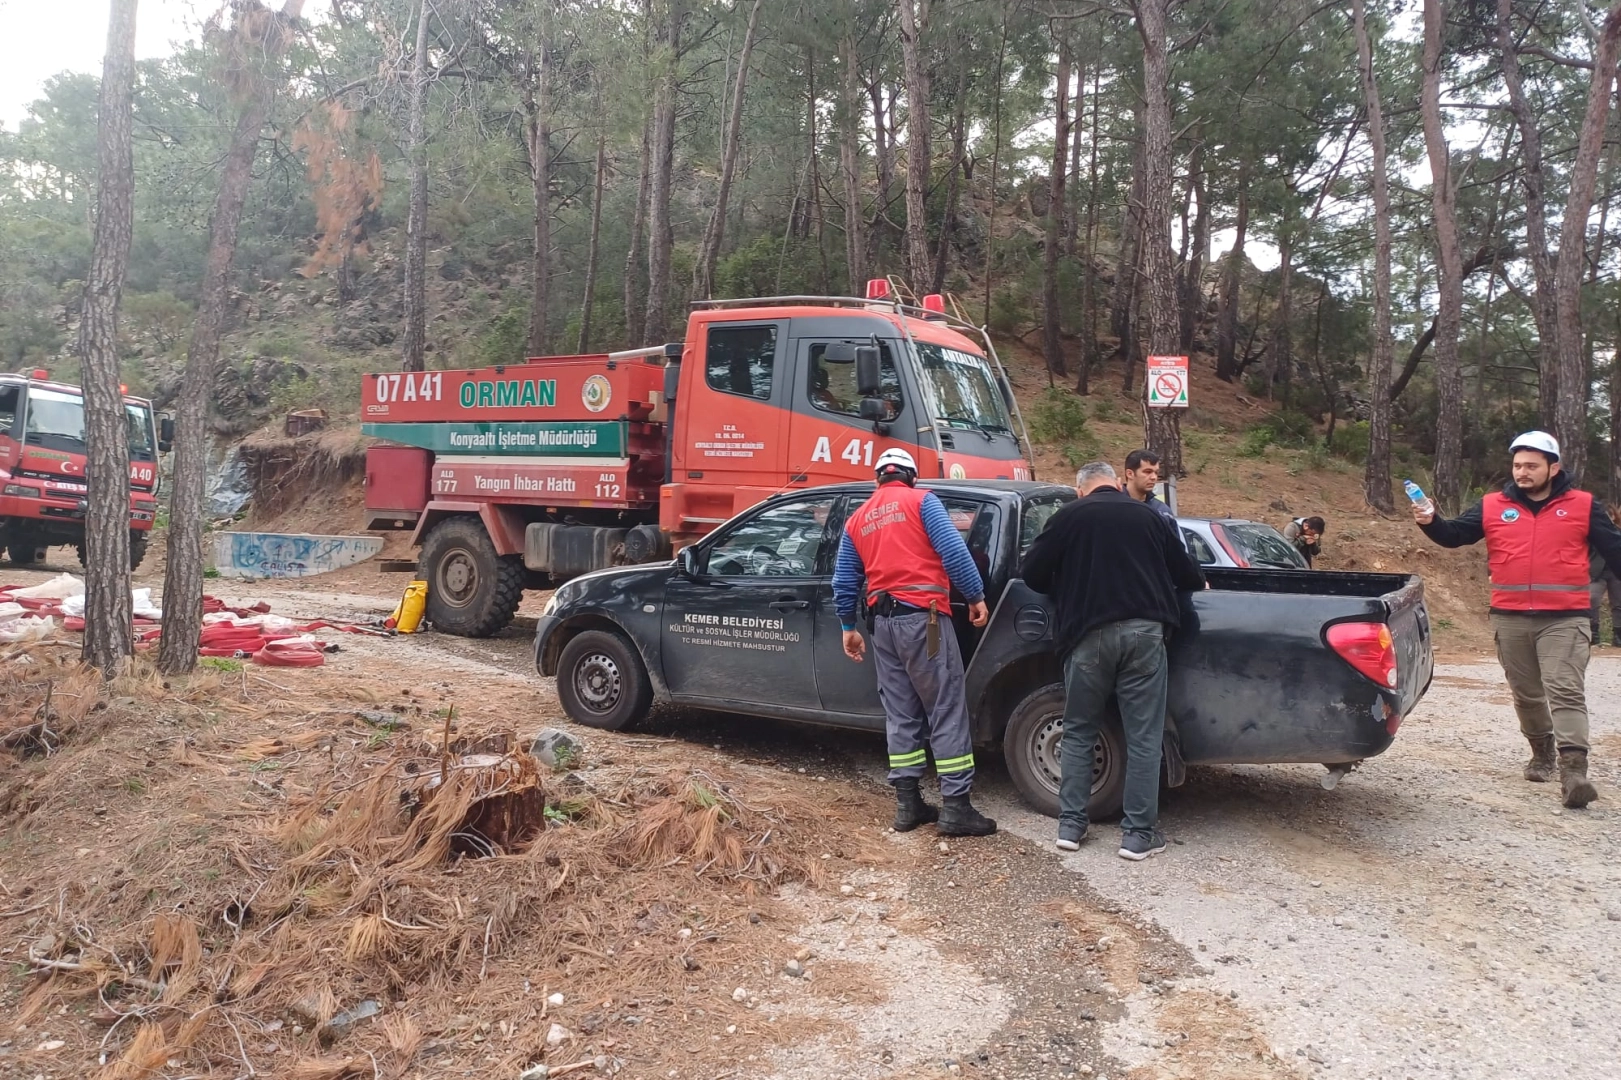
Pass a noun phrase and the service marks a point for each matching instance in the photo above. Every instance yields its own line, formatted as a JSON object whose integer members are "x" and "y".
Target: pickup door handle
{"x": 787, "y": 603}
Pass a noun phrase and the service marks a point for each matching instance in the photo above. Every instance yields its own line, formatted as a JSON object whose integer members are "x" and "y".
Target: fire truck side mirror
{"x": 1007, "y": 392}
{"x": 872, "y": 409}
{"x": 165, "y": 434}
{"x": 868, "y": 382}
{"x": 839, "y": 352}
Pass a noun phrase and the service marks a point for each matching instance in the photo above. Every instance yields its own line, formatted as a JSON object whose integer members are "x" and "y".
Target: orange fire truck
{"x": 525, "y": 474}
{"x": 43, "y": 486}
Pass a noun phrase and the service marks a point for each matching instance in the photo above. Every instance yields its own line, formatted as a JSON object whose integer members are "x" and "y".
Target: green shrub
{"x": 1351, "y": 442}
{"x": 1256, "y": 440}
{"x": 1108, "y": 411}
{"x": 1058, "y": 417}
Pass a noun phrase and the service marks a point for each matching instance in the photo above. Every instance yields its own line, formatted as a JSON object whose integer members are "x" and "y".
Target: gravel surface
{"x": 1434, "y": 917}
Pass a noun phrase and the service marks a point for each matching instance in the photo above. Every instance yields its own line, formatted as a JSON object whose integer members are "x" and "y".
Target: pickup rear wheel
{"x": 1034, "y": 759}
{"x": 472, "y": 591}
{"x": 601, "y": 681}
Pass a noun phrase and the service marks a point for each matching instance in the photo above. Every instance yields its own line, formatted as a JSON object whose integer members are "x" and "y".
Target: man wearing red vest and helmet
{"x": 902, "y": 542}
{"x": 1538, "y": 532}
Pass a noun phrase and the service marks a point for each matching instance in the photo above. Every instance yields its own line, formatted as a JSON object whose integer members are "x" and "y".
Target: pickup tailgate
{"x": 1409, "y": 624}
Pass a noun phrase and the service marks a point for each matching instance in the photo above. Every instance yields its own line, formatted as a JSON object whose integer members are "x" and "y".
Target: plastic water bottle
{"x": 1420, "y": 500}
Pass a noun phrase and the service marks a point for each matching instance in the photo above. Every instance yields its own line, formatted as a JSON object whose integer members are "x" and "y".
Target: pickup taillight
{"x": 1368, "y": 647}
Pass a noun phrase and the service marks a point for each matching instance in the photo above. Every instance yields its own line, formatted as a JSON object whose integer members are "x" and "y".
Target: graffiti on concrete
{"x": 276, "y": 555}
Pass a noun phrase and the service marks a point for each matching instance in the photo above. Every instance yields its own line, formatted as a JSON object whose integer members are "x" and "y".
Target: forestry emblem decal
{"x": 596, "y": 393}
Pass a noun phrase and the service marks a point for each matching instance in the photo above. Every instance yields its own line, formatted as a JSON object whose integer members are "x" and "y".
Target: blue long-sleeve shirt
{"x": 849, "y": 572}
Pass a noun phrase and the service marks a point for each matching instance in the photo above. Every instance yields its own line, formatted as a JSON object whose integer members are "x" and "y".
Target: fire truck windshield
{"x": 963, "y": 389}
{"x": 56, "y": 421}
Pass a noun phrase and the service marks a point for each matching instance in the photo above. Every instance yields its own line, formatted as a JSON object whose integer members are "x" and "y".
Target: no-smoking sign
{"x": 1168, "y": 382}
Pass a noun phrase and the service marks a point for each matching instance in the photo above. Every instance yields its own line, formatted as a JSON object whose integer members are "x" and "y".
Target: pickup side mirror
{"x": 165, "y": 434}
{"x": 869, "y": 383}
{"x": 686, "y": 563}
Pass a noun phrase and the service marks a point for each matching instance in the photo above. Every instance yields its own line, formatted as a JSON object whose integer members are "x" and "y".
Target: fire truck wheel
{"x": 472, "y": 591}
{"x": 601, "y": 681}
{"x": 137, "y": 549}
{"x": 26, "y": 552}
{"x": 1032, "y": 748}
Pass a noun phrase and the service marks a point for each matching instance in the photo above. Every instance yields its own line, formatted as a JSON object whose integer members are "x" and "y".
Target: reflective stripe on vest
{"x": 899, "y": 559}
{"x": 1539, "y": 561}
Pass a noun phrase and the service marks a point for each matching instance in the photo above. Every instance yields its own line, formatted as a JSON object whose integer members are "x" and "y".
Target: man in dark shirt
{"x": 1113, "y": 567}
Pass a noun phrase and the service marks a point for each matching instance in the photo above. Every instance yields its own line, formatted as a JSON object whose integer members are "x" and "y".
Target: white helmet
{"x": 1537, "y": 440}
{"x": 896, "y": 462}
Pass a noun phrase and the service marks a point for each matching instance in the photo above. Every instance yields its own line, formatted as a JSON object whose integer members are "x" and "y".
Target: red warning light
{"x": 41, "y": 373}
{"x": 935, "y": 302}
{"x": 878, "y": 288}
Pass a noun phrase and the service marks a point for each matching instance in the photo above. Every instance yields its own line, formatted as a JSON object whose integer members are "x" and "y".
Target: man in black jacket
{"x": 1113, "y": 567}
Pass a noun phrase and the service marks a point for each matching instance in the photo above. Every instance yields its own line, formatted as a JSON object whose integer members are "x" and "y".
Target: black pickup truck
{"x": 1270, "y": 665}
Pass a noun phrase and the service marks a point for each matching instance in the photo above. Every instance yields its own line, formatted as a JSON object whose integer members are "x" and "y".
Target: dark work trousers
{"x": 924, "y": 704}
{"x": 1127, "y": 660}
{"x": 1611, "y": 585}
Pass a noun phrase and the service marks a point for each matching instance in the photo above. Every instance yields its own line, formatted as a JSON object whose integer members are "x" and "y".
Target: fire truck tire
{"x": 137, "y": 549}
{"x": 25, "y": 552}
{"x": 601, "y": 681}
{"x": 1031, "y": 747}
{"x": 472, "y": 591}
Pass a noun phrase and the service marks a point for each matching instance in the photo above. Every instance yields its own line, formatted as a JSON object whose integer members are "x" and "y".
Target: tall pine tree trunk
{"x": 959, "y": 161}
{"x": 703, "y": 272}
{"x": 1232, "y": 279}
{"x": 660, "y": 230}
{"x": 1089, "y": 289}
{"x": 1128, "y": 283}
{"x": 635, "y": 263}
{"x": 258, "y": 39}
{"x": 1162, "y": 428}
{"x": 1281, "y": 357}
{"x": 1376, "y": 480}
{"x": 855, "y": 239}
{"x": 1533, "y": 181}
{"x": 414, "y": 344}
{"x": 1051, "y": 321}
{"x": 996, "y": 161}
{"x": 540, "y": 175}
{"x": 914, "y": 16}
{"x": 593, "y": 253}
{"x": 1449, "y": 321}
{"x": 108, "y": 640}
{"x": 1570, "y": 411}
{"x": 1193, "y": 270}
{"x": 1072, "y": 211}
{"x": 883, "y": 160}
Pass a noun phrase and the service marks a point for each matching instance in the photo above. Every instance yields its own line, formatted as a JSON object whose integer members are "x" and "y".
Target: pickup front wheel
{"x": 601, "y": 681}
{"x": 1032, "y": 746}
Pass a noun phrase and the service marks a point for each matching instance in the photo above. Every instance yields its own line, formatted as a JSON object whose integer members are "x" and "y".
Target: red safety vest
{"x": 1539, "y": 562}
{"x": 887, "y": 531}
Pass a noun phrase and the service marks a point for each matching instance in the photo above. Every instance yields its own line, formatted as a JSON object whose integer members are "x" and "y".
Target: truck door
{"x": 730, "y": 449}
{"x": 741, "y": 635}
{"x": 828, "y": 442}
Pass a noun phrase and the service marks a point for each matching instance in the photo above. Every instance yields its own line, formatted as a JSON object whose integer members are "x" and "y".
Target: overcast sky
{"x": 41, "y": 38}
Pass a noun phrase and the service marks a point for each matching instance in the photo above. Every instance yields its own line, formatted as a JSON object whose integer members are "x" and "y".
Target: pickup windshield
{"x": 963, "y": 389}
{"x": 56, "y": 422}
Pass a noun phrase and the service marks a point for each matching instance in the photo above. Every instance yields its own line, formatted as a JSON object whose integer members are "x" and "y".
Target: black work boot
{"x": 1577, "y": 789}
{"x": 910, "y": 809}
{"x": 1540, "y": 769}
{"x": 959, "y": 818}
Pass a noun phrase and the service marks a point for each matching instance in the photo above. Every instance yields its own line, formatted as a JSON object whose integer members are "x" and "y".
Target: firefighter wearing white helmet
{"x": 899, "y": 559}
{"x": 1539, "y": 532}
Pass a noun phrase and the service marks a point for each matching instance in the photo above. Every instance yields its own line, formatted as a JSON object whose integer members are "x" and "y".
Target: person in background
{"x": 1306, "y": 534}
{"x": 1142, "y": 473}
{"x": 1538, "y": 532}
{"x": 1113, "y": 569}
{"x": 901, "y": 546}
{"x": 1604, "y": 581}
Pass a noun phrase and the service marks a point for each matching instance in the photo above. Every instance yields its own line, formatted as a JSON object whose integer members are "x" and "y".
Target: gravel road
{"x": 1434, "y": 917}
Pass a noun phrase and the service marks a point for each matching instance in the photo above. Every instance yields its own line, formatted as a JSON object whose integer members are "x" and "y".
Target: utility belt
{"x": 886, "y": 606}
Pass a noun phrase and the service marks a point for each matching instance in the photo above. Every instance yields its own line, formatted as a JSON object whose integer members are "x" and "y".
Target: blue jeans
{"x": 1125, "y": 660}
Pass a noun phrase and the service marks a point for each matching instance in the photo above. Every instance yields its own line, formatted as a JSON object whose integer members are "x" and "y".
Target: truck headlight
{"x": 22, "y": 491}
